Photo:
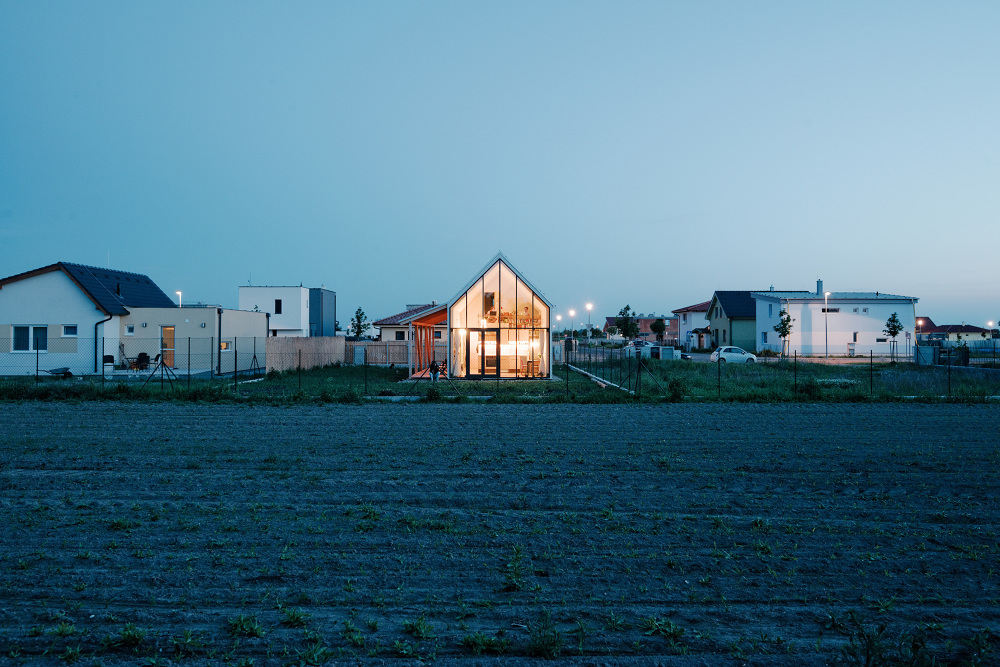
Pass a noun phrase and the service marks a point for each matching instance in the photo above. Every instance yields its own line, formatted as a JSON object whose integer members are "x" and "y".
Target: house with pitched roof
{"x": 397, "y": 327}
{"x": 645, "y": 322}
{"x": 90, "y": 320}
{"x": 834, "y": 323}
{"x": 691, "y": 330}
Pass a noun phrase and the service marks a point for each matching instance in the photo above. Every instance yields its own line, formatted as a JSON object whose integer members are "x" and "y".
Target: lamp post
{"x": 572, "y": 314}
{"x": 826, "y": 321}
{"x": 590, "y": 307}
{"x": 180, "y": 301}
{"x": 559, "y": 319}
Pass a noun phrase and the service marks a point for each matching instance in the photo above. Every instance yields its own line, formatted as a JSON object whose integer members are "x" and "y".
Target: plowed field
{"x": 136, "y": 533}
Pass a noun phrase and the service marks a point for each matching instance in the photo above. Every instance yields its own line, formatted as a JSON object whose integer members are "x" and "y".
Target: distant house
{"x": 955, "y": 333}
{"x": 398, "y": 326}
{"x": 294, "y": 311}
{"x": 645, "y": 322}
{"x": 89, "y": 319}
{"x": 838, "y": 323}
{"x": 732, "y": 318}
{"x": 691, "y": 329}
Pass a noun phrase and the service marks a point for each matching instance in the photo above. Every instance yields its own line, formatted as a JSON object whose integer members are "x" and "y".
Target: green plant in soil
{"x": 245, "y": 625}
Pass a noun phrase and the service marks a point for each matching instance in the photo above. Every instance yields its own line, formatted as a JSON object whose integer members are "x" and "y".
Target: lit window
{"x": 225, "y": 345}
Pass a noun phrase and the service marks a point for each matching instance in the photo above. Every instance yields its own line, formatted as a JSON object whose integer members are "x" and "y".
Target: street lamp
{"x": 826, "y": 321}
{"x": 572, "y": 314}
{"x": 180, "y": 302}
{"x": 590, "y": 307}
{"x": 559, "y": 319}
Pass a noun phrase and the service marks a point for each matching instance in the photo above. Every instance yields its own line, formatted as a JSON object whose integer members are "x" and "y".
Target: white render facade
{"x": 842, "y": 324}
{"x": 288, "y": 306}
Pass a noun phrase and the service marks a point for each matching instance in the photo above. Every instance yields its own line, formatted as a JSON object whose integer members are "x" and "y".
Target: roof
{"x": 925, "y": 322}
{"x": 954, "y": 329}
{"x": 737, "y": 303}
{"x": 111, "y": 291}
{"x": 843, "y": 296}
{"x": 500, "y": 257}
{"x": 403, "y": 317}
{"x": 696, "y": 308}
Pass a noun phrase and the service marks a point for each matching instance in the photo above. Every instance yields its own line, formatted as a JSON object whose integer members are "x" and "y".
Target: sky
{"x": 640, "y": 153}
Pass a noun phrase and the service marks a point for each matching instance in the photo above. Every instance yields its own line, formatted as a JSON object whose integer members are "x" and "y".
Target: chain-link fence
{"x": 334, "y": 369}
{"x": 675, "y": 377}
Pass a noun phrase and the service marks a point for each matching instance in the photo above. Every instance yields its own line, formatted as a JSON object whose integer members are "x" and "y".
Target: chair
{"x": 142, "y": 361}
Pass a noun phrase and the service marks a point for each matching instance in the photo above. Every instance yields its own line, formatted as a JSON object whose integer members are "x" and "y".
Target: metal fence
{"x": 642, "y": 374}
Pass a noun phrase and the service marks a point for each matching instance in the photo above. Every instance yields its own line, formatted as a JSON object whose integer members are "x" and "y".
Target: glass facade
{"x": 499, "y": 329}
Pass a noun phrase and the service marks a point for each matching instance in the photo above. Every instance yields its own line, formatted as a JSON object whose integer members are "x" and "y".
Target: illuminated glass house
{"x": 498, "y": 327}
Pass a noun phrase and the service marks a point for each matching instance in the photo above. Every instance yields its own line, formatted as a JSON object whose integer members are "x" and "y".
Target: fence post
{"x": 211, "y": 357}
{"x": 366, "y": 370}
{"x": 103, "y": 350}
{"x": 189, "y": 362}
{"x": 300, "y": 369}
{"x": 34, "y": 341}
{"x": 795, "y": 371}
{"x": 949, "y": 376}
{"x": 236, "y": 365}
{"x": 871, "y": 373}
{"x": 718, "y": 363}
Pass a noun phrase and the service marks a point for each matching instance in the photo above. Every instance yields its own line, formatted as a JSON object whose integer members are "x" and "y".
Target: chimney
{"x": 819, "y": 287}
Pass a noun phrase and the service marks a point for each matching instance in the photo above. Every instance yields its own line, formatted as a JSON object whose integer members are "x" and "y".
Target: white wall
{"x": 808, "y": 335}
{"x": 51, "y": 300}
{"x": 695, "y": 320}
{"x": 294, "y": 317}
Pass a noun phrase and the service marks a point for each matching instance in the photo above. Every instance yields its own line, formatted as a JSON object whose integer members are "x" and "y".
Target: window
{"x": 864, "y": 310}
{"x": 31, "y": 339}
{"x": 685, "y": 316}
{"x": 831, "y": 310}
{"x": 277, "y": 306}
{"x": 763, "y": 338}
{"x": 437, "y": 334}
{"x": 723, "y": 335}
{"x": 400, "y": 335}
{"x": 770, "y": 312}
{"x": 225, "y": 345}
{"x": 129, "y": 329}
{"x": 69, "y": 330}
{"x": 855, "y": 336}
{"x": 881, "y": 340}
{"x": 855, "y": 310}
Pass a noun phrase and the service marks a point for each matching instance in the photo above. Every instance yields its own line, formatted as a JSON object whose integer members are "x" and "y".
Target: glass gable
{"x": 499, "y": 329}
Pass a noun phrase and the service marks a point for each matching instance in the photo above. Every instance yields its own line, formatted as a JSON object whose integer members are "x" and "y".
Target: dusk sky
{"x": 646, "y": 153}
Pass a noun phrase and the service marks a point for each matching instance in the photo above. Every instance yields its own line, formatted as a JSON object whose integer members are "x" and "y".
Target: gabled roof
{"x": 927, "y": 323}
{"x": 111, "y": 291}
{"x": 740, "y": 303}
{"x": 696, "y": 308}
{"x": 954, "y": 329}
{"x": 404, "y": 317}
{"x": 501, "y": 258}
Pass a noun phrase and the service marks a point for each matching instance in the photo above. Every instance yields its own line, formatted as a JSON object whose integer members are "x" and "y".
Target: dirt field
{"x": 144, "y": 533}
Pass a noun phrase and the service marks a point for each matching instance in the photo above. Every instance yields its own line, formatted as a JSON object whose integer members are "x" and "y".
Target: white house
{"x": 93, "y": 320}
{"x": 838, "y": 323}
{"x": 397, "y": 327}
{"x": 295, "y": 311}
{"x": 691, "y": 325}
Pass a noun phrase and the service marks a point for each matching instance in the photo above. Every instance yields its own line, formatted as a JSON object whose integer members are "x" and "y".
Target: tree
{"x": 626, "y": 323}
{"x": 359, "y": 325}
{"x": 784, "y": 329}
{"x": 658, "y": 327}
{"x": 612, "y": 331}
{"x": 892, "y": 328}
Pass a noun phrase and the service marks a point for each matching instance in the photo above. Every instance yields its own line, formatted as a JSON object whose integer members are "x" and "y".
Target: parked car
{"x": 733, "y": 355}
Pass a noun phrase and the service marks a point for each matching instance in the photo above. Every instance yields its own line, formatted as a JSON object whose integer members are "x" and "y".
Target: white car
{"x": 733, "y": 355}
